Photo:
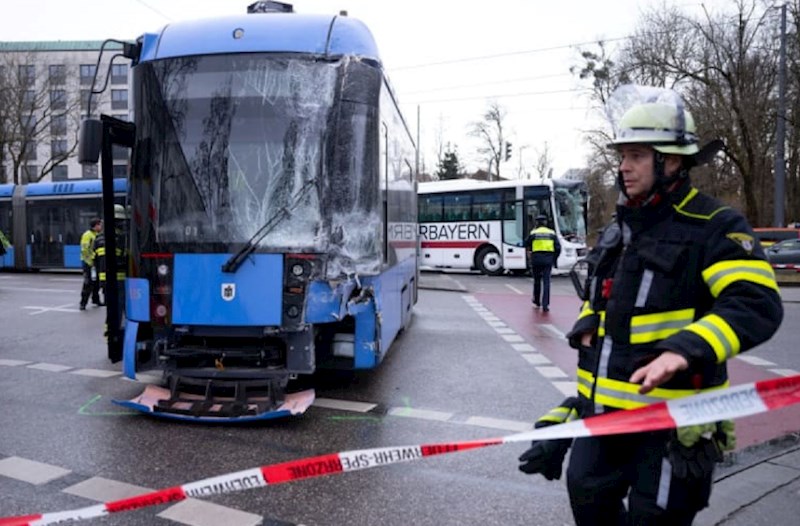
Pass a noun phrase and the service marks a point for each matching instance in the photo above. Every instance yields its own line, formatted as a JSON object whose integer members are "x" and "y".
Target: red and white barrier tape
{"x": 723, "y": 404}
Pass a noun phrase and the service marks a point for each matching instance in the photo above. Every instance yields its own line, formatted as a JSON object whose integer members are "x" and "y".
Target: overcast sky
{"x": 447, "y": 58}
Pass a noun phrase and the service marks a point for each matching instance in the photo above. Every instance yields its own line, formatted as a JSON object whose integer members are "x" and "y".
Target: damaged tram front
{"x": 273, "y": 211}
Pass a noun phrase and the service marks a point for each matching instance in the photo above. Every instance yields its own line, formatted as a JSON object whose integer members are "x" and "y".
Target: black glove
{"x": 696, "y": 462}
{"x": 545, "y": 457}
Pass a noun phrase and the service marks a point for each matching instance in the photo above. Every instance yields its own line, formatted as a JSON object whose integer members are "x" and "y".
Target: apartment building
{"x": 54, "y": 78}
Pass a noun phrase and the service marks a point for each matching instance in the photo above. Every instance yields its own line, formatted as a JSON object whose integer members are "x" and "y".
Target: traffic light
{"x": 508, "y": 150}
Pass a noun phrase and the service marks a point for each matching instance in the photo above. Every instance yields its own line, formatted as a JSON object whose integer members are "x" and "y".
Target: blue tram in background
{"x": 273, "y": 199}
{"x": 47, "y": 220}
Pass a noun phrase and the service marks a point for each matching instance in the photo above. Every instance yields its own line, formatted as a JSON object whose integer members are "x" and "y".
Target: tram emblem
{"x": 228, "y": 291}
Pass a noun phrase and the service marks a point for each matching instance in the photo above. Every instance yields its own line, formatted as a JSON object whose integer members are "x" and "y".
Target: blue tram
{"x": 47, "y": 219}
{"x": 273, "y": 199}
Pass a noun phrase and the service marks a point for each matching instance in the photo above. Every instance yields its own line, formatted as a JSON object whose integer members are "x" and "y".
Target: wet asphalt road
{"x": 446, "y": 378}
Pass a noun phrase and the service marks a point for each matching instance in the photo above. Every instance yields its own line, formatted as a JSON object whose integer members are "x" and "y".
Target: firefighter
{"x": 545, "y": 248}
{"x": 120, "y": 229}
{"x": 680, "y": 287}
{"x": 91, "y": 286}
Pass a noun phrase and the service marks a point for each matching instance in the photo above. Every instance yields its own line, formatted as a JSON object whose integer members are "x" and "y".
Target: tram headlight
{"x": 161, "y": 310}
{"x": 293, "y": 311}
{"x": 163, "y": 269}
{"x": 297, "y": 269}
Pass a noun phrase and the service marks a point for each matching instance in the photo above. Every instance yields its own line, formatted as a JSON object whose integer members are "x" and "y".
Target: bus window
{"x": 430, "y": 208}
{"x": 456, "y": 207}
{"x": 485, "y": 206}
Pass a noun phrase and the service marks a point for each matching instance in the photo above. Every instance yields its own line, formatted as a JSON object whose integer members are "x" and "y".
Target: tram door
{"x": 45, "y": 236}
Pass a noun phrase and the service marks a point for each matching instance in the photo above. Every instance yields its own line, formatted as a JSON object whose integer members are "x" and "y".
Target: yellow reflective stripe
{"x": 120, "y": 276}
{"x": 101, "y": 251}
{"x": 543, "y": 245}
{"x": 559, "y": 415}
{"x": 692, "y": 193}
{"x": 720, "y": 275}
{"x": 648, "y": 328}
{"x": 586, "y": 310}
{"x": 624, "y": 395}
{"x": 601, "y": 330}
{"x": 718, "y": 334}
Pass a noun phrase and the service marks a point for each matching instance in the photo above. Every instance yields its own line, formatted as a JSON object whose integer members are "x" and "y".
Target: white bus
{"x": 470, "y": 224}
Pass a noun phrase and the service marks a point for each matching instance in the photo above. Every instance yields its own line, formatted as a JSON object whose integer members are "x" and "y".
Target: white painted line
{"x": 203, "y": 513}
{"x": 96, "y": 373}
{"x": 504, "y": 330}
{"x": 513, "y": 338}
{"x": 498, "y": 423}
{"x": 482, "y": 310}
{"x": 76, "y": 279}
{"x": 60, "y": 308}
{"x": 12, "y": 363}
{"x": 105, "y": 490}
{"x": 784, "y": 372}
{"x": 553, "y": 329}
{"x": 496, "y": 324}
{"x": 551, "y": 372}
{"x": 30, "y": 471}
{"x": 567, "y": 388}
{"x": 490, "y": 317}
{"x": 51, "y": 367}
{"x": 515, "y": 289}
{"x": 425, "y": 414}
{"x": 344, "y": 405}
{"x": 755, "y": 360}
{"x": 26, "y": 289}
{"x": 536, "y": 359}
{"x": 523, "y": 347}
{"x": 469, "y": 299}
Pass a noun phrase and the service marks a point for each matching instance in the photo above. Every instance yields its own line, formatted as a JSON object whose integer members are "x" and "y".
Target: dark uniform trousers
{"x": 683, "y": 275}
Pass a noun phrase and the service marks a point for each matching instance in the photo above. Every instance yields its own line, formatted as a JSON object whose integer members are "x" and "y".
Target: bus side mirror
{"x": 90, "y": 141}
{"x": 579, "y": 275}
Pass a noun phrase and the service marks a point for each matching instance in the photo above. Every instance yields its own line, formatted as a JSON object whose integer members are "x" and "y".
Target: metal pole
{"x": 418, "y": 143}
{"x": 780, "y": 163}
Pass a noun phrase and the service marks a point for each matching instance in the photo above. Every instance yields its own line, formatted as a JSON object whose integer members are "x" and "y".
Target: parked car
{"x": 785, "y": 254}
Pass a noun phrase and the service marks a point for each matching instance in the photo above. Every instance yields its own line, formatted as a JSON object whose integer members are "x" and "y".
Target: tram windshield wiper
{"x": 236, "y": 260}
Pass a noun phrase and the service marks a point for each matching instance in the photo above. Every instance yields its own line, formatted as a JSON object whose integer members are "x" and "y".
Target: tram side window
{"x": 430, "y": 208}
{"x": 485, "y": 206}
{"x": 457, "y": 207}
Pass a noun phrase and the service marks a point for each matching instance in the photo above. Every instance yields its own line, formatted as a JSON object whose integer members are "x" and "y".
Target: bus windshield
{"x": 570, "y": 204}
{"x": 226, "y": 142}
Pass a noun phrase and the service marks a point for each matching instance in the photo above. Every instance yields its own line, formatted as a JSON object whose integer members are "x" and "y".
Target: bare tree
{"x": 544, "y": 162}
{"x": 491, "y": 134}
{"x": 30, "y": 109}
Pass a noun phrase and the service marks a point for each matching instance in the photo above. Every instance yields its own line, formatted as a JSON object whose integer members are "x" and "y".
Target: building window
{"x": 87, "y": 74}
{"x": 84, "y": 99}
{"x": 27, "y": 74}
{"x": 89, "y": 171}
{"x": 60, "y": 173}
{"x": 58, "y": 125}
{"x": 119, "y": 153}
{"x": 58, "y": 99}
{"x": 119, "y": 74}
{"x": 58, "y": 74}
{"x": 120, "y": 171}
{"x": 58, "y": 148}
{"x": 30, "y": 151}
{"x": 119, "y": 99}
{"x": 30, "y": 173}
{"x": 29, "y": 98}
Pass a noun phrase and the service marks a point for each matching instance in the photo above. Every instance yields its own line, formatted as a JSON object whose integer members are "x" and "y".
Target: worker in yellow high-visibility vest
{"x": 544, "y": 250}
{"x": 91, "y": 286}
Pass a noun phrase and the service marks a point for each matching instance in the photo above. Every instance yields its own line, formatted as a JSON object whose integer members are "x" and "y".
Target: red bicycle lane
{"x": 544, "y": 330}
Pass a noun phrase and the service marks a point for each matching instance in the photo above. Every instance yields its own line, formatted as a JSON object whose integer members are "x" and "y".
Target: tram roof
{"x": 322, "y": 35}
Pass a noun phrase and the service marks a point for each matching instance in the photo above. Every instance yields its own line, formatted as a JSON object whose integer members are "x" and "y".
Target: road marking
{"x": 96, "y": 373}
{"x": 69, "y": 280}
{"x": 523, "y": 347}
{"x": 551, "y": 372}
{"x": 100, "y": 489}
{"x": 24, "y": 289}
{"x": 51, "y": 367}
{"x": 496, "y": 323}
{"x": 515, "y": 289}
{"x": 499, "y": 423}
{"x": 512, "y": 338}
{"x": 203, "y": 513}
{"x": 553, "y": 329}
{"x": 425, "y": 414}
{"x": 344, "y": 405}
{"x": 13, "y": 363}
{"x": 504, "y": 330}
{"x": 536, "y": 358}
{"x": 567, "y": 388}
{"x": 36, "y": 473}
{"x": 755, "y": 360}
{"x": 784, "y": 372}
{"x": 60, "y": 308}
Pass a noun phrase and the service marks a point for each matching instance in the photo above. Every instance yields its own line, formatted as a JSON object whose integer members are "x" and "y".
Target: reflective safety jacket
{"x": 100, "y": 255}
{"x": 544, "y": 246}
{"x": 87, "y": 246}
{"x": 684, "y": 275}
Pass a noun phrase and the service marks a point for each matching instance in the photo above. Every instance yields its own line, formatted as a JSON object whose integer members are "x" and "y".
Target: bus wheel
{"x": 488, "y": 261}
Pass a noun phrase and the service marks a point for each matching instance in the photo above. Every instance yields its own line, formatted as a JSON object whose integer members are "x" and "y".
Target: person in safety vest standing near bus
{"x": 91, "y": 287}
{"x": 678, "y": 286}
{"x": 545, "y": 248}
{"x": 120, "y": 229}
